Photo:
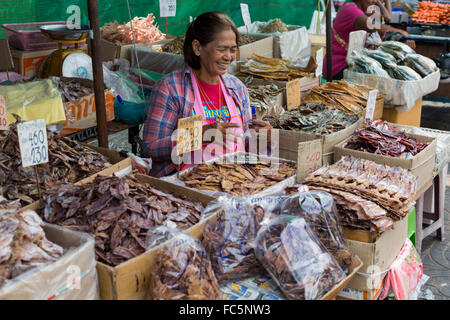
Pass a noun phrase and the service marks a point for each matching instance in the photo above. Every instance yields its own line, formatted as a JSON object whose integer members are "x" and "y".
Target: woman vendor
{"x": 352, "y": 17}
{"x": 201, "y": 87}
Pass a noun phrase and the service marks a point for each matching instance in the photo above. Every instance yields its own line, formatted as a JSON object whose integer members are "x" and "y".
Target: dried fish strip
{"x": 69, "y": 161}
{"x": 175, "y": 46}
{"x": 381, "y": 138}
{"x": 263, "y": 97}
{"x": 23, "y": 244}
{"x": 392, "y": 188}
{"x": 118, "y": 212}
{"x": 73, "y": 90}
{"x": 237, "y": 179}
{"x": 313, "y": 118}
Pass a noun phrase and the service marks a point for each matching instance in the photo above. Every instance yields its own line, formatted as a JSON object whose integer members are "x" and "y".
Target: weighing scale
{"x": 67, "y": 62}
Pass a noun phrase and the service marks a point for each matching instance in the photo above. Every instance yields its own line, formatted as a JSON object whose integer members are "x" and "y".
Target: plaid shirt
{"x": 172, "y": 98}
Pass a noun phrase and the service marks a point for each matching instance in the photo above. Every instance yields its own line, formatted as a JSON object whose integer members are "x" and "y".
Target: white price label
{"x": 33, "y": 142}
{"x": 167, "y": 8}
{"x": 245, "y": 14}
{"x": 319, "y": 61}
{"x": 371, "y": 101}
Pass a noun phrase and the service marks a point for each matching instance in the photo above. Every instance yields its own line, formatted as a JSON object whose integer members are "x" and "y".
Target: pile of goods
{"x": 313, "y": 118}
{"x": 394, "y": 60}
{"x": 139, "y": 30}
{"x": 68, "y": 162}
{"x": 175, "y": 46}
{"x": 378, "y": 137}
{"x": 117, "y": 212}
{"x": 23, "y": 244}
{"x": 262, "y": 96}
{"x": 272, "y": 68}
{"x": 391, "y": 188}
{"x": 432, "y": 12}
{"x": 183, "y": 272}
{"x": 73, "y": 90}
{"x": 237, "y": 179}
{"x": 295, "y": 259}
{"x": 276, "y": 25}
{"x": 245, "y": 39}
{"x": 346, "y": 96}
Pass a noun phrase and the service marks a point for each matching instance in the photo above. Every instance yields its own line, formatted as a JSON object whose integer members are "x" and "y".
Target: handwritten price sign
{"x": 189, "y": 134}
{"x": 293, "y": 98}
{"x": 371, "y": 101}
{"x": 33, "y": 142}
{"x": 309, "y": 158}
{"x": 3, "y": 114}
{"x": 245, "y": 14}
{"x": 167, "y": 8}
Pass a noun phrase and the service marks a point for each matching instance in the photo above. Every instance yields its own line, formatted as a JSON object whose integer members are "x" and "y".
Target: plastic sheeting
{"x": 399, "y": 94}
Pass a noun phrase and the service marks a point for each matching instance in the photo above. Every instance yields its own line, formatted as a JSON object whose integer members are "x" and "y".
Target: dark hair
{"x": 204, "y": 29}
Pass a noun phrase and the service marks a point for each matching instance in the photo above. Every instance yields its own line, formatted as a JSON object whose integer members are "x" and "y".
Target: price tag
{"x": 245, "y": 14}
{"x": 371, "y": 101}
{"x": 246, "y": 158}
{"x": 189, "y": 134}
{"x": 167, "y": 8}
{"x": 309, "y": 158}
{"x": 33, "y": 142}
{"x": 293, "y": 98}
{"x": 319, "y": 61}
{"x": 3, "y": 114}
{"x": 356, "y": 42}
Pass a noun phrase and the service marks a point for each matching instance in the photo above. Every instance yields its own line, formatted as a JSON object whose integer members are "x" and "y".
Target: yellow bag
{"x": 34, "y": 100}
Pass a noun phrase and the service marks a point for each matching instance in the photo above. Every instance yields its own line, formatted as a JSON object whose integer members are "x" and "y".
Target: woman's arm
{"x": 386, "y": 9}
{"x": 160, "y": 123}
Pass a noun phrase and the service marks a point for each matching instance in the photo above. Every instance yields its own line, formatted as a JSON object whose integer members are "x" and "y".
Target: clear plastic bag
{"x": 384, "y": 58}
{"x": 230, "y": 241}
{"x": 319, "y": 211}
{"x": 295, "y": 259}
{"x": 404, "y": 73}
{"x": 398, "y": 49}
{"x": 182, "y": 269}
{"x": 422, "y": 65}
{"x": 359, "y": 62}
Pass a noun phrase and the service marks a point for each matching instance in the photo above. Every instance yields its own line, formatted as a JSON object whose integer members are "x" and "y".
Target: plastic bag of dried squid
{"x": 295, "y": 259}
{"x": 320, "y": 212}
{"x": 229, "y": 241}
{"x": 182, "y": 269}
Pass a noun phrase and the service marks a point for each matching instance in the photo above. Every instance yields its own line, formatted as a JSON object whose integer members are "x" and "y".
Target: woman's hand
{"x": 259, "y": 125}
{"x": 410, "y": 43}
{"x": 223, "y": 129}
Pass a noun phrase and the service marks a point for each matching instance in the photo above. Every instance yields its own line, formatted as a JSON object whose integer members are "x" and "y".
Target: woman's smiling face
{"x": 217, "y": 55}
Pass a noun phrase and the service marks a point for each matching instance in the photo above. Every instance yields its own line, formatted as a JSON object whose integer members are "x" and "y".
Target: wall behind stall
{"x": 298, "y": 12}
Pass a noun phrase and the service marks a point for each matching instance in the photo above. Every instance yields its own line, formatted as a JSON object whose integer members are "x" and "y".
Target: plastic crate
{"x": 28, "y": 36}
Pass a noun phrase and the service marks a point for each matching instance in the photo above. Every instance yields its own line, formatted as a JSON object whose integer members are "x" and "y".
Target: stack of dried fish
{"x": 23, "y": 244}
{"x": 175, "y": 46}
{"x": 272, "y": 68}
{"x": 245, "y": 39}
{"x": 392, "y": 188}
{"x": 346, "y": 96}
{"x": 183, "y": 272}
{"x": 68, "y": 162}
{"x": 295, "y": 259}
{"x": 313, "y": 118}
{"x": 276, "y": 25}
{"x": 319, "y": 211}
{"x": 237, "y": 179}
{"x": 117, "y": 212}
{"x": 229, "y": 243}
{"x": 356, "y": 212}
{"x": 380, "y": 138}
{"x": 262, "y": 96}
{"x": 73, "y": 90}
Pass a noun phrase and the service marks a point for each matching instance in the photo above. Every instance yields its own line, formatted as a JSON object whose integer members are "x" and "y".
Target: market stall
{"x": 321, "y": 214}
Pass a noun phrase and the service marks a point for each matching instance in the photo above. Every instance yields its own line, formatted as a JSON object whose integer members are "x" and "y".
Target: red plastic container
{"x": 28, "y": 36}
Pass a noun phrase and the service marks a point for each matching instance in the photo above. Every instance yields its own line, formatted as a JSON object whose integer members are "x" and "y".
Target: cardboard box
{"x": 421, "y": 165}
{"x": 379, "y": 107}
{"x": 53, "y": 280}
{"x": 288, "y": 142}
{"x": 264, "y": 46}
{"x": 27, "y": 63}
{"x": 376, "y": 256}
{"x": 317, "y": 41}
{"x": 410, "y": 118}
{"x": 6, "y": 62}
{"x": 80, "y": 113}
{"x": 353, "y": 294}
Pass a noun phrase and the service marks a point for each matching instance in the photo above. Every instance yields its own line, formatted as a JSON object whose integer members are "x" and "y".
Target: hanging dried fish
{"x": 117, "y": 212}
{"x": 69, "y": 161}
{"x": 313, "y": 118}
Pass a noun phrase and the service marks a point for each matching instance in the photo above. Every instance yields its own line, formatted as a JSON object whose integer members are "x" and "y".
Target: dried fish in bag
{"x": 422, "y": 65}
{"x": 182, "y": 270}
{"x": 295, "y": 259}
{"x": 275, "y": 25}
{"x": 397, "y": 49}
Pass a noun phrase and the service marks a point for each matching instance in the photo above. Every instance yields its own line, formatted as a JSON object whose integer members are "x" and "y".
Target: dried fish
{"x": 23, "y": 244}
{"x": 314, "y": 118}
{"x": 175, "y": 46}
{"x": 69, "y": 161}
{"x": 73, "y": 90}
{"x": 263, "y": 97}
{"x": 276, "y": 25}
{"x": 118, "y": 212}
